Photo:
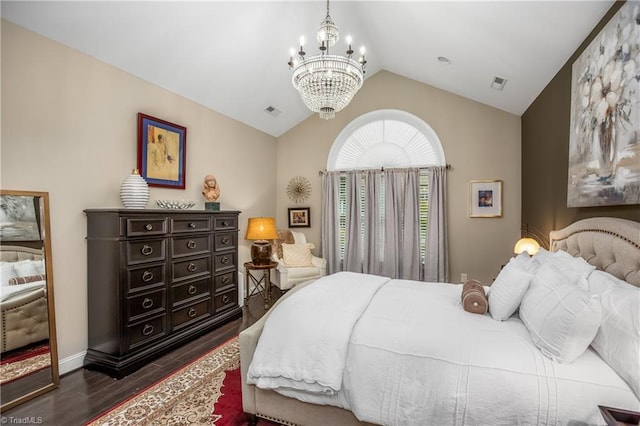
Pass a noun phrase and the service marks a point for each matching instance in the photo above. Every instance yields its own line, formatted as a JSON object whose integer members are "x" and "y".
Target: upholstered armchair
{"x": 296, "y": 263}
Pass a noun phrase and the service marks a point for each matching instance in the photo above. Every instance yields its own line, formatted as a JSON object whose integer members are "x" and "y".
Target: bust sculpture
{"x": 210, "y": 188}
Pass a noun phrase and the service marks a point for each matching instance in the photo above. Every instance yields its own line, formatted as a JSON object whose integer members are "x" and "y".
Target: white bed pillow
{"x": 574, "y": 268}
{"x": 507, "y": 290}
{"x": 618, "y": 339}
{"x": 26, "y": 268}
{"x": 562, "y": 319}
{"x": 7, "y": 271}
{"x": 297, "y": 255}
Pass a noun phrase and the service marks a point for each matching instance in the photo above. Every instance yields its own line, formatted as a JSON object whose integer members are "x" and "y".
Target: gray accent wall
{"x": 545, "y": 154}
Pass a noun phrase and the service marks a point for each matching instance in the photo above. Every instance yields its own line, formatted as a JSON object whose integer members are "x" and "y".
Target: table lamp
{"x": 529, "y": 245}
{"x": 261, "y": 229}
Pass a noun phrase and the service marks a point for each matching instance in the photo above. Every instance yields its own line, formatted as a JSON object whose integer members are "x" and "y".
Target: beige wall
{"x": 69, "y": 127}
{"x": 480, "y": 142}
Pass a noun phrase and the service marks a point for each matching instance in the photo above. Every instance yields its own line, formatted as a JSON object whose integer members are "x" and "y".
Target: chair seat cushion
{"x": 303, "y": 272}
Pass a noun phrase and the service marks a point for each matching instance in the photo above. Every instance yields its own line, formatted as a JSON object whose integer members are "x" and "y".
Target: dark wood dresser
{"x": 157, "y": 278}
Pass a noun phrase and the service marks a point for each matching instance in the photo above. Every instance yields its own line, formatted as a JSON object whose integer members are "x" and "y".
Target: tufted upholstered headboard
{"x": 610, "y": 244}
{"x": 16, "y": 253}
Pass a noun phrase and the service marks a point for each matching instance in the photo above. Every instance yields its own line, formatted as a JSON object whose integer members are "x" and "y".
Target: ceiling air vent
{"x": 498, "y": 82}
{"x": 272, "y": 111}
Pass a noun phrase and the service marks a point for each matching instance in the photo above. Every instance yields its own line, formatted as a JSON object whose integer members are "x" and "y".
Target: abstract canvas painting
{"x": 604, "y": 146}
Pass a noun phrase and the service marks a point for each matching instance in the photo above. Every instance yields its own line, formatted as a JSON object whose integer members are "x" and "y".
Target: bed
{"x": 23, "y": 297}
{"x": 476, "y": 369}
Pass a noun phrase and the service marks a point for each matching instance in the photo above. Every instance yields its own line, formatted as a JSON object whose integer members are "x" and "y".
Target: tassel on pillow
{"x": 474, "y": 299}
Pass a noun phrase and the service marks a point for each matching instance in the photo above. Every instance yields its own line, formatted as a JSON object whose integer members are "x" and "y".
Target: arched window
{"x": 386, "y": 138}
{"x": 386, "y": 141}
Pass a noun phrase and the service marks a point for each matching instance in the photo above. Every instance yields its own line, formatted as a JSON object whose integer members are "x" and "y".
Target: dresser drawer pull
{"x": 191, "y": 225}
{"x": 192, "y": 312}
{"x": 192, "y": 267}
{"x": 147, "y": 329}
{"x": 225, "y": 223}
{"x": 225, "y": 240}
{"x": 226, "y": 280}
{"x": 147, "y": 276}
{"x": 225, "y": 299}
{"x": 147, "y": 303}
{"x": 224, "y": 260}
{"x": 148, "y": 227}
{"x": 192, "y": 244}
{"x": 192, "y": 289}
{"x": 146, "y": 250}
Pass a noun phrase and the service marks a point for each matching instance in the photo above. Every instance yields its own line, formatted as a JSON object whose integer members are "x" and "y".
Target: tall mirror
{"x": 28, "y": 351}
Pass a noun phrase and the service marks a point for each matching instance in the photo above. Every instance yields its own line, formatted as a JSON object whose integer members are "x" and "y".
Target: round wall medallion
{"x": 299, "y": 189}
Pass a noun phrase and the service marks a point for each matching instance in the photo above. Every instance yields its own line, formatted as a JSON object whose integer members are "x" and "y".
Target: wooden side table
{"x": 262, "y": 285}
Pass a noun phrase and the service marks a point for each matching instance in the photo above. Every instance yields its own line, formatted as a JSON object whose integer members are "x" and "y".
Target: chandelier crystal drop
{"x": 327, "y": 82}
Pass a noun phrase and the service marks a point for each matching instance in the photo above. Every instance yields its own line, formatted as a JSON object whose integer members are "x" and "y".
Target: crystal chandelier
{"x": 327, "y": 82}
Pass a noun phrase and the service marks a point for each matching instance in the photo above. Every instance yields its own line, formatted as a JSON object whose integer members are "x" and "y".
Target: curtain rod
{"x": 447, "y": 166}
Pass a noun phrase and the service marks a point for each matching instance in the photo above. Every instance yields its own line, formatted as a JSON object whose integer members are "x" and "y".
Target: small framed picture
{"x": 485, "y": 198}
{"x": 299, "y": 217}
{"x": 162, "y": 152}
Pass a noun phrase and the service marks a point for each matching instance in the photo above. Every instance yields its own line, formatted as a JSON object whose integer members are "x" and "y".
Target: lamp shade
{"x": 529, "y": 245}
{"x": 261, "y": 228}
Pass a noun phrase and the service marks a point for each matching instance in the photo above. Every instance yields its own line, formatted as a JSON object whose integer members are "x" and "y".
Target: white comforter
{"x": 10, "y": 292}
{"x": 319, "y": 319}
{"x": 415, "y": 357}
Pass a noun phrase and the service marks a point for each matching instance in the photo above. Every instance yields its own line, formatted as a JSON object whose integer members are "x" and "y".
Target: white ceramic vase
{"x": 134, "y": 191}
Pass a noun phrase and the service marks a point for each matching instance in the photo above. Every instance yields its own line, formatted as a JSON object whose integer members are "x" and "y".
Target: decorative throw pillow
{"x": 618, "y": 339}
{"x": 507, "y": 290}
{"x": 296, "y": 255}
{"x": 562, "y": 319}
{"x": 25, "y": 280}
{"x": 7, "y": 271}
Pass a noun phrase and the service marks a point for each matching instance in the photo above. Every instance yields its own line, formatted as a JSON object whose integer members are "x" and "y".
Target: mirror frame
{"x": 48, "y": 258}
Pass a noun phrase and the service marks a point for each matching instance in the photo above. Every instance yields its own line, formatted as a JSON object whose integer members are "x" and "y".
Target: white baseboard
{"x": 71, "y": 363}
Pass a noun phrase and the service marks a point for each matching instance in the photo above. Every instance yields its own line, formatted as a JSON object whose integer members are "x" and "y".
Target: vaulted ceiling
{"x": 231, "y": 56}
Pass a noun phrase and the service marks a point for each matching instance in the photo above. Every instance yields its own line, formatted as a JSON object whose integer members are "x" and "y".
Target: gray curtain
{"x": 436, "y": 264}
{"x": 330, "y": 221}
{"x": 381, "y": 239}
{"x": 402, "y": 224}
{"x": 354, "y": 221}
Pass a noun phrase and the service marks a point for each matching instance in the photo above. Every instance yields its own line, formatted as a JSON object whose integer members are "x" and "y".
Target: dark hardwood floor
{"x": 85, "y": 394}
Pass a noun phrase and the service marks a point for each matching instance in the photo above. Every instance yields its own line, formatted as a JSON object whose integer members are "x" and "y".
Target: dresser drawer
{"x": 190, "y": 224}
{"x": 225, "y": 281}
{"x": 188, "y": 291}
{"x": 191, "y": 268}
{"x": 146, "y": 304}
{"x": 145, "y": 331}
{"x": 224, "y": 240}
{"x": 145, "y": 226}
{"x": 225, "y": 261}
{"x": 187, "y": 246}
{"x": 192, "y": 313}
{"x": 145, "y": 251}
{"x": 221, "y": 223}
{"x": 226, "y": 300}
{"x": 146, "y": 277}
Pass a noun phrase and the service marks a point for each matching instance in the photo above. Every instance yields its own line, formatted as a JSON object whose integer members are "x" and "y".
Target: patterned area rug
{"x": 189, "y": 396}
{"x": 23, "y": 363}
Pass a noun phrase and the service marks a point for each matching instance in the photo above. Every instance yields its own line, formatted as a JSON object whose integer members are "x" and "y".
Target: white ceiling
{"x": 231, "y": 56}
